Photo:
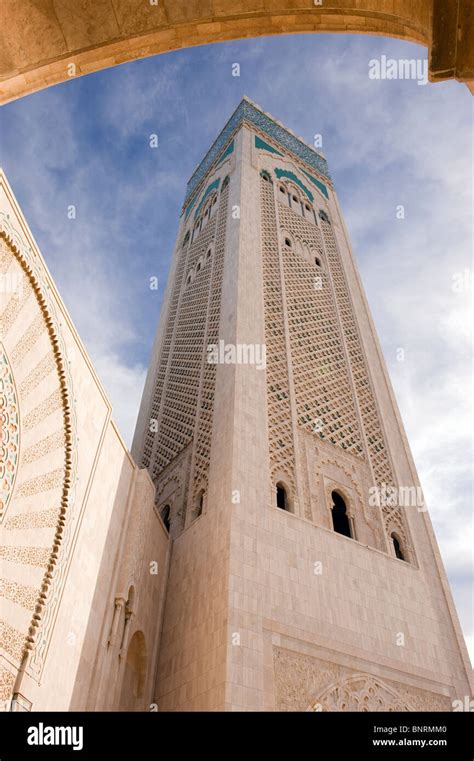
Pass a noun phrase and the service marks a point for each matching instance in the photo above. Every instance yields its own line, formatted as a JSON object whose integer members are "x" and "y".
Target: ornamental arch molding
{"x": 44, "y": 42}
{"x": 38, "y": 470}
{"x": 361, "y": 693}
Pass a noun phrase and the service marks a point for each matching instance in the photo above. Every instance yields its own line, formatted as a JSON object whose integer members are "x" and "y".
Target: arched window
{"x": 209, "y": 253}
{"x": 166, "y": 517}
{"x": 324, "y": 216}
{"x": 397, "y": 547}
{"x": 317, "y": 261}
{"x": 186, "y": 239}
{"x": 282, "y": 189}
{"x": 288, "y": 242}
{"x": 199, "y": 504}
{"x": 282, "y": 497}
{"x": 265, "y": 175}
{"x": 226, "y": 182}
{"x": 340, "y": 519}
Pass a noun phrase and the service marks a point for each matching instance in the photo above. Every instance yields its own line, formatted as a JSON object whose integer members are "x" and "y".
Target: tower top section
{"x": 251, "y": 113}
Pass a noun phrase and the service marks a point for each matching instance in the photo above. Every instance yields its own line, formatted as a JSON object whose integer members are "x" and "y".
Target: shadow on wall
{"x": 118, "y": 658}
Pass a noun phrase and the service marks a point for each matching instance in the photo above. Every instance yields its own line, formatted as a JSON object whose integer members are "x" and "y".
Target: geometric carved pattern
{"x": 177, "y": 380}
{"x": 183, "y": 397}
{"x": 361, "y": 692}
{"x": 280, "y": 431}
{"x": 322, "y": 385}
{"x": 202, "y": 450}
{"x": 374, "y": 436}
{"x": 9, "y": 431}
{"x": 12, "y": 640}
{"x": 42, "y": 483}
{"x": 18, "y": 593}
{"x": 307, "y": 683}
{"x": 318, "y": 367}
{"x": 248, "y": 114}
{"x": 7, "y": 680}
{"x": 37, "y": 519}
{"x": 46, "y": 466}
{"x": 38, "y": 556}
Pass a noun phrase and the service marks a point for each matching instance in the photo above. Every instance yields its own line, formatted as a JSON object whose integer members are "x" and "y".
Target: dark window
{"x": 324, "y": 216}
{"x": 288, "y": 242}
{"x": 209, "y": 252}
{"x": 317, "y": 261}
{"x": 165, "y": 516}
{"x": 199, "y": 504}
{"x": 198, "y": 266}
{"x": 282, "y": 497}
{"x": 340, "y": 518}
{"x": 295, "y": 199}
{"x": 282, "y": 190}
{"x": 307, "y": 207}
{"x": 397, "y": 548}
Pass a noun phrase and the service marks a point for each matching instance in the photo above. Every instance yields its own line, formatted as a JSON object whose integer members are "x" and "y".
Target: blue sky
{"x": 388, "y": 143}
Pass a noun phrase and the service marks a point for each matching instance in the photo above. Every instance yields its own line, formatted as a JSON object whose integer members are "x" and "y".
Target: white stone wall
{"x": 69, "y": 545}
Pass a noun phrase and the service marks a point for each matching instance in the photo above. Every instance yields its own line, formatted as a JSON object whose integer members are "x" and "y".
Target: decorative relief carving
{"x": 304, "y": 683}
{"x": 12, "y": 640}
{"x": 15, "y": 252}
{"x": 361, "y": 692}
{"x": 7, "y": 680}
{"x": 28, "y": 339}
{"x": 43, "y": 447}
{"x": 38, "y": 556}
{"x": 47, "y": 407}
{"x": 18, "y": 593}
{"x": 45, "y": 482}
{"x": 37, "y": 519}
{"x": 9, "y": 431}
{"x": 280, "y": 429}
{"x": 42, "y": 370}
{"x": 13, "y": 308}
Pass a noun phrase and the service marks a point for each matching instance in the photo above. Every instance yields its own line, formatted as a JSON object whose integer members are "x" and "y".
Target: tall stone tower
{"x": 304, "y": 572}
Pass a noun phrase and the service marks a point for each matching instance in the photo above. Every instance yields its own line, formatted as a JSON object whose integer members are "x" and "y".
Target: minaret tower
{"x": 304, "y": 571}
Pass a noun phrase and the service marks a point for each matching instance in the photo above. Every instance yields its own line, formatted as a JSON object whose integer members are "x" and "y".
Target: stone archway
{"x": 44, "y": 42}
{"x": 132, "y": 694}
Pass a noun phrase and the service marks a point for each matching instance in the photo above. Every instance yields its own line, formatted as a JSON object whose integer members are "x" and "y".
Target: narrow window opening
{"x": 165, "y": 517}
{"x": 288, "y": 242}
{"x": 199, "y": 504}
{"x": 317, "y": 261}
{"x": 282, "y": 497}
{"x": 396, "y": 546}
{"x": 340, "y": 519}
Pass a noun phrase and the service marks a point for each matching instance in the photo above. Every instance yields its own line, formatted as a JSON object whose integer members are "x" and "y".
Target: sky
{"x": 389, "y": 144}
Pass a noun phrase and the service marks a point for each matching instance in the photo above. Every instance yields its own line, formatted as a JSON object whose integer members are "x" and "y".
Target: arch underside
{"x": 46, "y": 42}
